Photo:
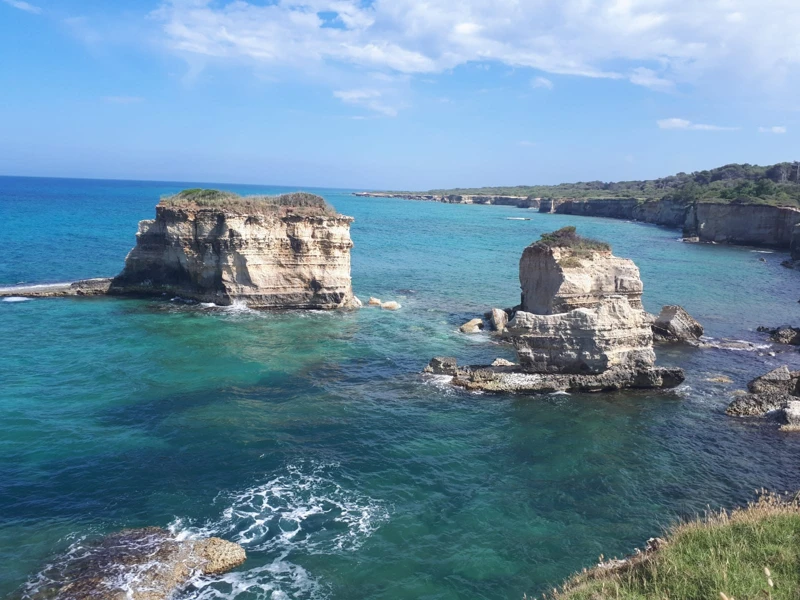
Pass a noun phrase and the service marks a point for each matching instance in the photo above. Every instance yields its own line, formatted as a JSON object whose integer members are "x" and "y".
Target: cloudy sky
{"x": 396, "y": 94}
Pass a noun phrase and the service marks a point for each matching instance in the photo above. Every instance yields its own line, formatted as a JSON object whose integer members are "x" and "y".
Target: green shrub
{"x": 568, "y": 238}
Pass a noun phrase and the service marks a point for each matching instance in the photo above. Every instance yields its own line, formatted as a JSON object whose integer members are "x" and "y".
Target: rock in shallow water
{"x": 674, "y": 324}
{"x": 473, "y": 326}
{"x": 134, "y": 564}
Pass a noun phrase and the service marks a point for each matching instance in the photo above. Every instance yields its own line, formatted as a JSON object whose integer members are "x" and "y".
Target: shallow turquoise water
{"x": 311, "y": 439}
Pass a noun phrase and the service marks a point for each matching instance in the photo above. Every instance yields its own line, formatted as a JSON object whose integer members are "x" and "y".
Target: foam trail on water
{"x": 15, "y": 299}
{"x": 306, "y": 509}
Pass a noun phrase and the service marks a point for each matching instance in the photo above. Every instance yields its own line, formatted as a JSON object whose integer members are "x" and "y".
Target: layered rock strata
{"x": 134, "y": 564}
{"x": 264, "y": 252}
{"x": 580, "y": 326}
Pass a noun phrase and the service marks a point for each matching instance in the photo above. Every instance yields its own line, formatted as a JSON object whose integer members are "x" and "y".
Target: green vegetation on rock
{"x": 297, "y": 203}
{"x": 747, "y": 553}
{"x": 777, "y": 184}
{"x": 567, "y": 237}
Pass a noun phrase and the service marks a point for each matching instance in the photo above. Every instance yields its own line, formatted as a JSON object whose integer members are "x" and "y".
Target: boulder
{"x": 674, "y": 324}
{"x": 135, "y": 564}
{"x": 473, "y": 326}
{"x": 442, "y": 365}
{"x": 374, "y": 301}
{"x": 498, "y": 319}
{"x": 791, "y": 416}
{"x": 391, "y": 305}
{"x": 783, "y": 335}
{"x": 502, "y": 362}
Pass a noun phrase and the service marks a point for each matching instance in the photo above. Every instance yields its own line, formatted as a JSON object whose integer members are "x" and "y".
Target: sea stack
{"x": 580, "y": 325}
{"x": 272, "y": 252}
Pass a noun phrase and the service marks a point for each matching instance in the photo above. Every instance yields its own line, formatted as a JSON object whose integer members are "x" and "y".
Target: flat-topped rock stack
{"x": 580, "y": 325}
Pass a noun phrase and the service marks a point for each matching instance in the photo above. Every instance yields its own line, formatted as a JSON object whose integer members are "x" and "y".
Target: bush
{"x": 750, "y": 552}
{"x": 567, "y": 237}
{"x": 298, "y": 203}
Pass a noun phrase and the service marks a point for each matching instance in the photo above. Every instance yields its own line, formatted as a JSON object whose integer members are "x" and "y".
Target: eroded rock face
{"x": 580, "y": 327}
{"x": 674, "y": 324}
{"x": 224, "y": 255}
{"x": 133, "y": 564}
{"x": 584, "y": 341}
{"x": 556, "y": 280}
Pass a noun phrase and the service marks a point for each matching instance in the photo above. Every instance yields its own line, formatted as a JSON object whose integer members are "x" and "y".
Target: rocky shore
{"x": 709, "y": 222}
{"x": 134, "y": 564}
{"x": 580, "y": 325}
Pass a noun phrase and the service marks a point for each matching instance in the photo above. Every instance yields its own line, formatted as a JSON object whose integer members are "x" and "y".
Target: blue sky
{"x": 396, "y": 94}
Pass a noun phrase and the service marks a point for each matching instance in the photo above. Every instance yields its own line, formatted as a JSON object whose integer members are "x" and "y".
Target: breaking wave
{"x": 305, "y": 510}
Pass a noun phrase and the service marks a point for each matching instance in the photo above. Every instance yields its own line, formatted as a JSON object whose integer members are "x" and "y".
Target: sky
{"x": 396, "y": 94}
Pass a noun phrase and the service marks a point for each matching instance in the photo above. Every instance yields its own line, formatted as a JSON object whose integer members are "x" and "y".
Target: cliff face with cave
{"x": 284, "y": 252}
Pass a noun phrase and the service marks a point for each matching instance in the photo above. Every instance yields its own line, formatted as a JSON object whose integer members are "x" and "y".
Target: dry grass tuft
{"x": 747, "y": 553}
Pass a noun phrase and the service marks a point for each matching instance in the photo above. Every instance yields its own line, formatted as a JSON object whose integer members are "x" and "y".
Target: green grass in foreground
{"x": 748, "y": 553}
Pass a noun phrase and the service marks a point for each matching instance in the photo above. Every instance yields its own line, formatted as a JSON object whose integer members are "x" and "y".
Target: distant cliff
{"x": 290, "y": 251}
{"x": 518, "y": 201}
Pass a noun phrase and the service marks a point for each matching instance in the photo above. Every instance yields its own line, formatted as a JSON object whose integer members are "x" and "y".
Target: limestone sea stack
{"x": 580, "y": 325}
{"x": 289, "y": 251}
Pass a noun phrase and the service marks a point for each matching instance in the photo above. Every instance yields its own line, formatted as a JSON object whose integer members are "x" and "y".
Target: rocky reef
{"x": 290, "y": 251}
{"x": 777, "y": 394}
{"x": 580, "y": 325}
{"x": 133, "y": 564}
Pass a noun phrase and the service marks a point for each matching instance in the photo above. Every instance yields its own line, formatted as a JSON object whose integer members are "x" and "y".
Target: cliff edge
{"x": 289, "y": 251}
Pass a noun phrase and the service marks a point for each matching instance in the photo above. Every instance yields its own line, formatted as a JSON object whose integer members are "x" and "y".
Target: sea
{"x": 312, "y": 438}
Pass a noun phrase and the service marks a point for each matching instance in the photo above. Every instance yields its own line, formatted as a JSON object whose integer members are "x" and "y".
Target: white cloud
{"x": 123, "y": 99}
{"x": 776, "y": 129}
{"x": 685, "y": 124}
{"x": 526, "y": 143}
{"x": 370, "y": 99}
{"x": 650, "y": 79}
{"x": 542, "y": 82}
{"x": 26, "y": 6}
{"x": 723, "y": 44}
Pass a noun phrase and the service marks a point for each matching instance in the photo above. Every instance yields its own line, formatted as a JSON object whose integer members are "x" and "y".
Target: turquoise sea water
{"x": 311, "y": 439}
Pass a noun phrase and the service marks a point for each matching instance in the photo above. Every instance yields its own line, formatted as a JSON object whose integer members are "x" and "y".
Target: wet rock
{"x": 374, "y": 301}
{"x": 768, "y": 393}
{"x": 473, "y": 326}
{"x": 674, "y": 324}
{"x": 783, "y": 335}
{"x": 391, "y": 305}
{"x": 134, "y": 564}
{"x": 442, "y": 365}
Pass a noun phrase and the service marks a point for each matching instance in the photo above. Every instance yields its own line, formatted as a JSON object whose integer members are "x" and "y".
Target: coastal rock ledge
{"x": 580, "y": 325}
{"x": 133, "y": 564}
{"x": 290, "y": 251}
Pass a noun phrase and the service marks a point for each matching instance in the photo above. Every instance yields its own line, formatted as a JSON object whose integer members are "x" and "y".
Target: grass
{"x": 568, "y": 238}
{"x": 297, "y": 203}
{"x": 748, "y": 553}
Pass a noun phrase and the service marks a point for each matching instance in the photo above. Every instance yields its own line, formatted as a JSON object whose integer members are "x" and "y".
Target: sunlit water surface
{"x": 311, "y": 439}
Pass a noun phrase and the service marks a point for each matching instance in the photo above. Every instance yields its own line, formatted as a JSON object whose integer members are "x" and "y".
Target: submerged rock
{"x": 442, "y": 365}
{"x": 674, "y": 324}
{"x": 290, "y": 251}
{"x": 134, "y": 564}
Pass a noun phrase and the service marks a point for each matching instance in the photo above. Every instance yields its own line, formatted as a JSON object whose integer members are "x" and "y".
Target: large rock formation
{"x": 580, "y": 327}
{"x": 133, "y": 564}
{"x": 290, "y": 251}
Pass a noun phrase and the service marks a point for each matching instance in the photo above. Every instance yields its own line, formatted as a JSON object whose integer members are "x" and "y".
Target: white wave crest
{"x": 15, "y": 299}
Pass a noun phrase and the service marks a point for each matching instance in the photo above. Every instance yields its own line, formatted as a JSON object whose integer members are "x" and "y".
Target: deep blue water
{"x": 311, "y": 438}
